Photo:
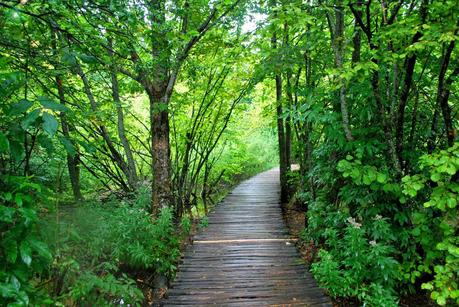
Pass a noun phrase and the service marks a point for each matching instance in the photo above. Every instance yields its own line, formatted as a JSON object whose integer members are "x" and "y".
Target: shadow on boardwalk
{"x": 245, "y": 257}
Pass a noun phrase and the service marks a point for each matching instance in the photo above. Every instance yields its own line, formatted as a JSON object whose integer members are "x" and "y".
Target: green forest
{"x": 123, "y": 123}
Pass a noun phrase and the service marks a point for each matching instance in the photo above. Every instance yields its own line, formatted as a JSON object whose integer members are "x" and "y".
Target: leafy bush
{"x": 139, "y": 243}
{"x": 359, "y": 263}
{"x": 22, "y": 255}
{"x": 105, "y": 290}
{"x": 435, "y": 225}
{"x": 359, "y": 257}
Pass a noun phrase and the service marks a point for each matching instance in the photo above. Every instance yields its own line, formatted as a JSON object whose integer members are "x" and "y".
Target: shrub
{"x": 22, "y": 255}
{"x": 359, "y": 263}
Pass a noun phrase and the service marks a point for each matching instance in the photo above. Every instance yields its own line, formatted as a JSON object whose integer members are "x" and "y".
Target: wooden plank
{"x": 245, "y": 257}
{"x": 244, "y": 240}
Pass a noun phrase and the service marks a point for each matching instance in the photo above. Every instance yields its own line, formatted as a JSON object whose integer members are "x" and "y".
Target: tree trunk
{"x": 288, "y": 120}
{"x": 280, "y": 129}
{"x": 410, "y": 63}
{"x": 160, "y": 147}
{"x": 132, "y": 172}
{"x": 281, "y": 140}
{"x": 356, "y": 43}
{"x": 116, "y": 156}
{"x": 72, "y": 161}
{"x": 443, "y": 92}
{"x": 338, "y": 40}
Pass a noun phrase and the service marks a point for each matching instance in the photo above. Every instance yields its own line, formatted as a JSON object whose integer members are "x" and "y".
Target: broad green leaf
{"x": 45, "y": 141}
{"x": 11, "y": 250}
{"x": 67, "y": 145}
{"x": 4, "y": 143}
{"x": 26, "y": 252}
{"x": 50, "y": 104}
{"x": 16, "y": 150}
{"x": 381, "y": 178}
{"x": 89, "y": 59}
{"x": 7, "y": 213}
{"x": 18, "y": 199}
{"x": 29, "y": 215}
{"x": 30, "y": 119}
{"x": 68, "y": 58}
{"x": 21, "y": 107}
{"x": 435, "y": 177}
{"x": 41, "y": 248}
{"x": 50, "y": 124}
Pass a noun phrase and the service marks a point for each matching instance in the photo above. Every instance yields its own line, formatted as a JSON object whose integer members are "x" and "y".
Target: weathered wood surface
{"x": 244, "y": 257}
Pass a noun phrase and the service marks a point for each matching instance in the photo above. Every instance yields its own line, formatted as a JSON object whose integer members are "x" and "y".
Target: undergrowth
{"x": 99, "y": 246}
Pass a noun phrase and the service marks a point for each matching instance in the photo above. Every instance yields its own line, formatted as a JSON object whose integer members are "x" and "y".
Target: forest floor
{"x": 294, "y": 217}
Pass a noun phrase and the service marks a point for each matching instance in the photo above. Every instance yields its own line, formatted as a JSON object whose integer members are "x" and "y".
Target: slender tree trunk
{"x": 338, "y": 44}
{"x": 117, "y": 157}
{"x": 132, "y": 171}
{"x": 280, "y": 129}
{"x": 288, "y": 140}
{"x": 281, "y": 140}
{"x": 356, "y": 43}
{"x": 410, "y": 63}
{"x": 443, "y": 92}
{"x": 446, "y": 109}
{"x": 288, "y": 120}
{"x": 72, "y": 161}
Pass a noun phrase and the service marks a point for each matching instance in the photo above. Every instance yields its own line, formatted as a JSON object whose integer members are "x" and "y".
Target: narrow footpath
{"x": 245, "y": 256}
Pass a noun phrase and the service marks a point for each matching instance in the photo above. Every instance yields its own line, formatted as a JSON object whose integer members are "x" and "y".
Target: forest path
{"x": 245, "y": 257}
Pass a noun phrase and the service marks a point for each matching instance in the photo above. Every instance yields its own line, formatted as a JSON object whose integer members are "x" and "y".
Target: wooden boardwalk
{"x": 244, "y": 257}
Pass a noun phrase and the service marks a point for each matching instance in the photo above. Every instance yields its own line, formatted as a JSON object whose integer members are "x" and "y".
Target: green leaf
{"x": 381, "y": 177}
{"x": 11, "y": 250}
{"x": 18, "y": 199}
{"x": 46, "y": 142}
{"x": 6, "y": 290}
{"x": 30, "y": 119}
{"x": 89, "y": 59}
{"x": 67, "y": 145}
{"x": 16, "y": 150}
{"x": 4, "y": 143}
{"x": 41, "y": 248}
{"x": 29, "y": 215}
{"x": 435, "y": 177}
{"x": 68, "y": 57}
{"x": 26, "y": 252}
{"x": 451, "y": 202}
{"x": 7, "y": 214}
{"x": 21, "y": 107}
{"x": 50, "y": 124}
{"x": 50, "y": 104}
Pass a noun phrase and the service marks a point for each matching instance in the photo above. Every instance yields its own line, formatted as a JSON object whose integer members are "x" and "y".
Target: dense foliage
{"x": 121, "y": 121}
{"x": 369, "y": 89}
{"x": 100, "y": 171}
